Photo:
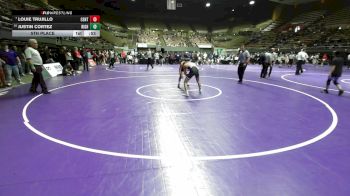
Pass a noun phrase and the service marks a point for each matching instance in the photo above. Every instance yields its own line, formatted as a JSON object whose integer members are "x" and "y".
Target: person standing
{"x": 112, "y": 61}
{"x": 35, "y": 61}
{"x": 149, "y": 59}
{"x": 70, "y": 63}
{"x": 291, "y": 59}
{"x": 62, "y": 59}
{"x": 335, "y": 73}
{"x": 156, "y": 58}
{"x": 324, "y": 59}
{"x": 77, "y": 58}
{"x": 86, "y": 59}
{"x": 243, "y": 60}
{"x": 2, "y": 74}
{"x": 301, "y": 59}
{"x": 20, "y": 67}
{"x": 274, "y": 58}
{"x": 266, "y": 63}
{"x": 123, "y": 55}
{"x": 11, "y": 64}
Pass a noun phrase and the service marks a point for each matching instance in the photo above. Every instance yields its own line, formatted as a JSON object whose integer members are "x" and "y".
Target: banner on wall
{"x": 141, "y": 45}
{"x": 204, "y": 45}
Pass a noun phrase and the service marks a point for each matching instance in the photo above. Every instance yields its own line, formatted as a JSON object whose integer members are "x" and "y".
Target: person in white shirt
{"x": 301, "y": 59}
{"x": 35, "y": 61}
{"x": 111, "y": 60}
{"x": 274, "y": 57}
{"x": 156, "y": 58}
{"x": 205, "y": 56}
{"x": 291, "y": 59}
{"x": 286, "y": 59}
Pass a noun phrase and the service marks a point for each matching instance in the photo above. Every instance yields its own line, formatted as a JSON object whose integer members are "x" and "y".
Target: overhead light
{"x": 207, "y": 4}
{"x": 251, "y": 2}
{"x": 172, "y": 1}
{"x": 339, "y": 28}
{"x": 233, "y": 10}
{"x": 133, "y": 0}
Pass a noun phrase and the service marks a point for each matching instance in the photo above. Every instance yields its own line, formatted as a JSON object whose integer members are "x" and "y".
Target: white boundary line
{"x": 283, "y": 77}
{"x": 328, "y": 131}
{"x": 254, "y": 69}
{"x": 145, "y": 71}
{"x": 6, "y": 90}
{"x": 169, "y": 99}
{"x": 346, "y": 81}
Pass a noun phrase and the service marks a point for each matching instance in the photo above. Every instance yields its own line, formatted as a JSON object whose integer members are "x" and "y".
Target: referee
{"x": 301, "y": 59}
{"x": 243, "y": 60}
{"x": 35, "y": 61}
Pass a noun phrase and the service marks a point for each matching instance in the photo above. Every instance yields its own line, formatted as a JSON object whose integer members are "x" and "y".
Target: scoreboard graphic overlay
{"x": 39, "y": 23}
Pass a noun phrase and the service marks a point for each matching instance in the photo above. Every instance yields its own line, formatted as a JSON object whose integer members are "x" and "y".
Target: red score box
{"x": 94, "y": 19}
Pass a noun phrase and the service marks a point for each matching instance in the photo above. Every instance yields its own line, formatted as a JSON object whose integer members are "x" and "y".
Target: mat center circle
{"x": 170, "y": 92}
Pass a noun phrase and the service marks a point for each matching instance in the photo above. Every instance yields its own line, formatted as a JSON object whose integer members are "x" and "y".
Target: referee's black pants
{"x": 38, "y": 79}
{"x": 241, "y": 70}
{"x": 264, "y": 70}
{"x": 149, "y": 62}
{"x": 299, "y": 67}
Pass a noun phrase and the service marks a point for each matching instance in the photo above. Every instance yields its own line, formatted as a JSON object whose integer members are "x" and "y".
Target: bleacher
{"x": 273, "y": 25}
{"x": 228, "y": 40}
{"x": 154, "y": 25}
{"x": 242, "y": 28}
{"x": 262, "y": 40}
{"x": 175, "y": 39}
{"x": 336, "y": 38}
{"x": 308, "y": 18}
{"x": 5, "y": 15}
{"x": 313, "y": 32}
{"x": 198, "y": 38}
{"x": 180, "y": 27}
{"x": 149, "y": 36}
{"x": 339, "y": 18}
{"x": 133, "y": 24}
{"x": 5, "y": 22}
{"x": 319, "y": 29}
